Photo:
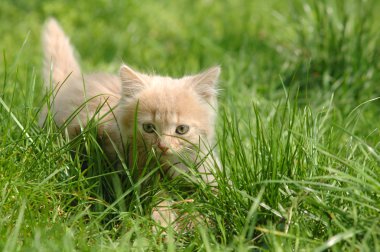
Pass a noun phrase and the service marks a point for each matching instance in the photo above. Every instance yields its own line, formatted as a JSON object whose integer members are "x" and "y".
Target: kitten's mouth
{"x": 165, "y": 155}
{"x": 162, "y": 154}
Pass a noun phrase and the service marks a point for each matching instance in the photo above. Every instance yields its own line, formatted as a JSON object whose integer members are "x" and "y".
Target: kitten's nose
{"x": 162, "y": 147}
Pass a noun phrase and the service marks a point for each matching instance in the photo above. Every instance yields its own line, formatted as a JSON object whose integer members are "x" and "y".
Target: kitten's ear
{"x": 132, "y": 81}
{"x": 205, "y": 83}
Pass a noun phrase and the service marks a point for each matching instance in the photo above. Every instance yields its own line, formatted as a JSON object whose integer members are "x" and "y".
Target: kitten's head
{"x": 173, "y": 115}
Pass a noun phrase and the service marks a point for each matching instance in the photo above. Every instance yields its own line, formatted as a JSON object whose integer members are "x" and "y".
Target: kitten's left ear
{"x": 132, "y": 81}
{"x": 205, "y": 83}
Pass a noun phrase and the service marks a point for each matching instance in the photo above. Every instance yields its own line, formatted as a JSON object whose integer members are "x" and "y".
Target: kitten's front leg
{"x": 167, "y": 214}
{"x": 164, "y": 215}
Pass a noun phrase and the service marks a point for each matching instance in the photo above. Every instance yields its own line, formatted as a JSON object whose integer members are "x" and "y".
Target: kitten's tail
{"x": 59, "y": 59}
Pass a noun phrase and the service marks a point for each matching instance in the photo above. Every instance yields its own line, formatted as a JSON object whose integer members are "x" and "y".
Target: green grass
{"x": 298, "y": 126}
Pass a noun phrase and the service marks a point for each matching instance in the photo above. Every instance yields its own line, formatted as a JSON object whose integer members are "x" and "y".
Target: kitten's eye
{"x": 182, "y": 129}
{"x": 149, "y": 128}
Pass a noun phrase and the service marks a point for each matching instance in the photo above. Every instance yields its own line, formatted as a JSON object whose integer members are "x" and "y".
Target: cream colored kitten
{"x": 175, "y": 117}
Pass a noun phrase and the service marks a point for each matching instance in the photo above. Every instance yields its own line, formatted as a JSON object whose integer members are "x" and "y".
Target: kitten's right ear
{"x": 205, "y": 82}
{"x": 132, "y": 82}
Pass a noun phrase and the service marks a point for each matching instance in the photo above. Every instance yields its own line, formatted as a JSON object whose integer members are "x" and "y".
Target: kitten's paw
{"x": 168, "y": 214}
{"x": 164, "y": 214}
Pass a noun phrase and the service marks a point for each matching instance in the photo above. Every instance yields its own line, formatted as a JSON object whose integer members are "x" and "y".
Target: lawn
{"x": 298, "y": 126}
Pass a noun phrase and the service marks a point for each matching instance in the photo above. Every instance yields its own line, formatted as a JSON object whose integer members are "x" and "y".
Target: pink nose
{"x": 162, "y": 147}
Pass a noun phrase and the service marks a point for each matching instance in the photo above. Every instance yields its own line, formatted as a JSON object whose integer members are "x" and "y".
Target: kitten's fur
{"x": 163, "y": 101}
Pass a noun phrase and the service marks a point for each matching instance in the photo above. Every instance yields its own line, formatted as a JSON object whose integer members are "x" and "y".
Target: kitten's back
{"x": 94, "y": 93}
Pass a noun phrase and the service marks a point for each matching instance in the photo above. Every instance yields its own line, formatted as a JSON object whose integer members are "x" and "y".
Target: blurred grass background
{"x": 299, "y": 103}
{"x": 327, "y": 47}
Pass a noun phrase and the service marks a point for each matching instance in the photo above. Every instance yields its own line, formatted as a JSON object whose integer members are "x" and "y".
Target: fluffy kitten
{"x": 175, "y": 117}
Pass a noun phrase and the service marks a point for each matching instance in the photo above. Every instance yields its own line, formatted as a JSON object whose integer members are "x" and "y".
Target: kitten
{"x": 175, "y": 117}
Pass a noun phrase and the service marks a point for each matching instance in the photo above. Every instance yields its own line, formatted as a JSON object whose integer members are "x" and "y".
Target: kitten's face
{"x": 174, "y": 115}
{"x": 172, "y": 118}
